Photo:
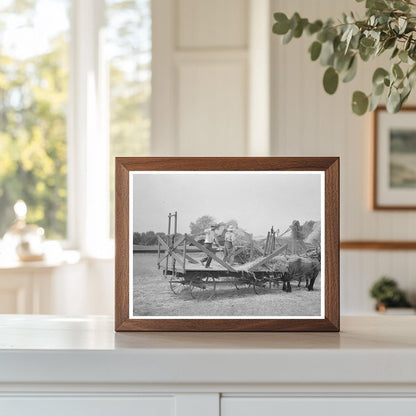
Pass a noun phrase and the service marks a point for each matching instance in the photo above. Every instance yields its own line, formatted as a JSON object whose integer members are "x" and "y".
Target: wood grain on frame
{"x": 378, "y": 245}
{"x": 329, "y": 165}
{"x": 376, "y": 205}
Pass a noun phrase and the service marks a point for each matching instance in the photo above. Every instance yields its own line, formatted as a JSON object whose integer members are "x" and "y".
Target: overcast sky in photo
{"x": 256, "y": 200}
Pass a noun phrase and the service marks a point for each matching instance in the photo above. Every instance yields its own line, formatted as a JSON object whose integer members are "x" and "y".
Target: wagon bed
{"x": 176, "y": 259}
{"x": 187, "y": 272}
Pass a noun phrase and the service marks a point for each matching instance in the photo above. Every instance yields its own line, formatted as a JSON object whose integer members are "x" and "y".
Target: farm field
{"x": 152, "y": 297}
{"x": 402, "y": 170}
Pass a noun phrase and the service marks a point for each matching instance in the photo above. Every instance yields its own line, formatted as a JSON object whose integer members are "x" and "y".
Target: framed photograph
{"x": 394, "y": 159}
{"x": 227, "y": 244}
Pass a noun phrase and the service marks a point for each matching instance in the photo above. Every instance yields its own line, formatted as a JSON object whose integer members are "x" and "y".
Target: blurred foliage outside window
{"x": 34, "y": 68}
{"x": 33, "y": 101}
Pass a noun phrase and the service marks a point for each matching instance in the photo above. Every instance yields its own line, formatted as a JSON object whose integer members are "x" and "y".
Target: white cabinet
{"x": 38, "y": 287}
{"x": 66, "y": 286}
{"x": 271, "y": 406}
{"x": 87, "y": 406}
{"x": 79, "y": 366}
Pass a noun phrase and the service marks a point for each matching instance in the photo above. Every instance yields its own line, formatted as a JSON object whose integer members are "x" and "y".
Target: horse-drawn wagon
{"x": 179, "y": 262}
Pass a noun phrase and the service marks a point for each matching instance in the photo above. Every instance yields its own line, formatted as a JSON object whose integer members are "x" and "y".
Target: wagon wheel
{"x": 260, "y": 285}
{"x": 242, "y": 282}
{"x": 177, "y": 284}
{"x": 273, "y": 280}
{"x": 203, "y": 287}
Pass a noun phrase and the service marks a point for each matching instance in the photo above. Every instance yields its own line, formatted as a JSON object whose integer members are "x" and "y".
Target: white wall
{"x": 211, "y": 92}
{"x": 308, "y": 122}
{"x": 200, "y": 77}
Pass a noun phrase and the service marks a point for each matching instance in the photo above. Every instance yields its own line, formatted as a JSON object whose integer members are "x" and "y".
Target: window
{"x": 33, "y": 99}
{"x": 75, "y": 87}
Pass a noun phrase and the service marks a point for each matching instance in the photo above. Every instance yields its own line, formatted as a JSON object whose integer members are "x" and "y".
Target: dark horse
{"x": 300, "y": 268}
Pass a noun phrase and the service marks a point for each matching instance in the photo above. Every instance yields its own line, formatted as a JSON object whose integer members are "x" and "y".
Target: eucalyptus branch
{"x": 389, "y": 25}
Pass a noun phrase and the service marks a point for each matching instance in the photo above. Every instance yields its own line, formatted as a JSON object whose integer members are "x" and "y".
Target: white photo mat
{"x": 145, "y": 178}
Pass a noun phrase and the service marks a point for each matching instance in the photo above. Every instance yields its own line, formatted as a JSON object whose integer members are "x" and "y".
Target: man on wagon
{"x": 297, "y": 236}
{"x": 210, "y": 238}
{"x": 229, "y": 244}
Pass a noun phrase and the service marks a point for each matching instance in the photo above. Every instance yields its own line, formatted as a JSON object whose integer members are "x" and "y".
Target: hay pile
{"x": 277, "y": 264}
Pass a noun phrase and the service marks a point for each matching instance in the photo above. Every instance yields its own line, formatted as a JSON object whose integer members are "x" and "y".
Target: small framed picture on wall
{"x": 394, "y": 178}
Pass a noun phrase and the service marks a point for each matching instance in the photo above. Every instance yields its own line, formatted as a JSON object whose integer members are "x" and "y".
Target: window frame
{"x": 88, "y": 133}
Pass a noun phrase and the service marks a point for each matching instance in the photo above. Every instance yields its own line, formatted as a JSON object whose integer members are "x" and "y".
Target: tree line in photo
{"x": 309, "y": 232}
{"x": 197, "y": 228}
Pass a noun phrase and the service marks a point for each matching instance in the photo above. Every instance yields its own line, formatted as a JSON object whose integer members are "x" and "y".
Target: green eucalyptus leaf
{"x": 314, "y": 27}
{"x": 408, "y": 42}
{"x": 378, "y": 89}
{"x": 315, "y": 50}
{"x": 298, "y": 30}
{"x": 366, "y": 53}
{"x": 352, "y": 31}
{"x": 351, "y": 71}
{"x": 288, "y": 37}
{"x": 403, "y": 56}
{"x": 397, "y": 71}
{"x": 389, "y": 43}
{"x": 402, "y": 22}
{"x": 338, "y": 44}
{"x": 322, "y": 35}
{"x": 399, "y": 85}
{"x": 351, "y": 18}
{"x": 281, "y": 27}
{"x": 404, "y": 96}
{"x": 327, "y": 54}
{"x": 374, "y": 102}
{"x": 412, "y": 52}
{"x": 359, "y": 103}
{"x": 376, "y": 35}
{"x": 355, "y": 41}
{"x": 330, "y": 80}
{"x": 367, "y": 42}
{"x": 395, "y": 52}
{"x": 394, "y": 26}
{"x": 342, "y": 62}
{"x": 346, "y": 34}
{"x": 387, "y": 24}
{"x": 376, "y": 4}
{"x": 379, "y": 75}
{"x": 412, "y": 70}
{"x": 382, "y": 19}
{"x": 400, "y": 5}
{"x": 294, "y": 20}
{"x": 411, "y": 78}
{"x": 393, "y": 101}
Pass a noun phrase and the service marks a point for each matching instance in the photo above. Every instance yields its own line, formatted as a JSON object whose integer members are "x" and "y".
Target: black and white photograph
{"x": 226, "y": 244}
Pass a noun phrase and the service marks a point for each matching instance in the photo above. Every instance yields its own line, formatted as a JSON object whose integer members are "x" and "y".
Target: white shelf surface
{"x": 53, "y": 349}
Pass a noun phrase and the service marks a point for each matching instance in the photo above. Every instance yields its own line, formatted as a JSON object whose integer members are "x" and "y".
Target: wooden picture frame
{"x": 134, "y": 172}
{"x": 391, "y": 178}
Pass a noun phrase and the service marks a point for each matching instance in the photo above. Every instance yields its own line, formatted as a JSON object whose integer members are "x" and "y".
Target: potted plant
{"x": 387, "y": 294}
{"x": 389, "y": 27}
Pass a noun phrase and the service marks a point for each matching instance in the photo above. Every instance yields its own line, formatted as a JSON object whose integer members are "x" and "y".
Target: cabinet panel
{"x": 87, "y": 406}
{"x": 271, "y": 406}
